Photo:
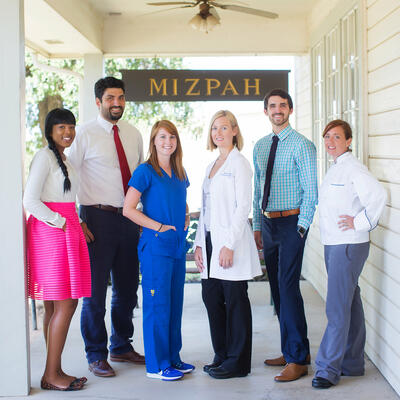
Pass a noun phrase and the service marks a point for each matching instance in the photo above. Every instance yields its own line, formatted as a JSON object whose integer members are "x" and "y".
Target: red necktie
{"x": 123, "y": 163}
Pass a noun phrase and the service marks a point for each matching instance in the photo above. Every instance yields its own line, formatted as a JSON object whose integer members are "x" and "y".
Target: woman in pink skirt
{"x": 57, "y": 255}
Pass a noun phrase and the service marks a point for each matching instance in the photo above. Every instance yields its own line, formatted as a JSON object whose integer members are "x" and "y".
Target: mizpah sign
{"x": 201, "y": 85}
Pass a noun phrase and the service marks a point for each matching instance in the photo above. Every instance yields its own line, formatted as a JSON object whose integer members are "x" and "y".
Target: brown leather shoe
{"x": 281, "y": 362}
{"x": 130, "y": 356}
{"x": 292, "y": 372}
{"x": 276, "y": 362}
{"x": 101, "y": 368}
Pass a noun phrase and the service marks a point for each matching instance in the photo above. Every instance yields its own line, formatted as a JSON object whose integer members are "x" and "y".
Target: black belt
{"x": 117, "y": 210}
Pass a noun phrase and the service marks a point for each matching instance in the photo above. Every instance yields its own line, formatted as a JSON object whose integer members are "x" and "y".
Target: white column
{"x": 14, "y": 332}
{"x": 93, "y": 71}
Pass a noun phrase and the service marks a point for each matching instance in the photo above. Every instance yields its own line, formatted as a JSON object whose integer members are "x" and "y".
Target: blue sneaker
{"x": 169, "y": 374}
{"x": 184, "y": 367}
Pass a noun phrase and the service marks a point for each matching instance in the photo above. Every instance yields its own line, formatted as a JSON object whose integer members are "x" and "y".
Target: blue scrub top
{"x": 164, "y": 200}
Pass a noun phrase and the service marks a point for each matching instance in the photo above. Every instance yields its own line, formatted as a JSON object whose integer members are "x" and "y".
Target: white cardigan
{"x": 230, "y": 198}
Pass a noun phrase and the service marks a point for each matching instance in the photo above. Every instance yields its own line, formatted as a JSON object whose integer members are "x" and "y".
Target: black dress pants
{"x": 229, "y": 315}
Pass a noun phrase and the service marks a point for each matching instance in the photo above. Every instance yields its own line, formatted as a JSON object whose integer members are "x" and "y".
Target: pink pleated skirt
{"x": 58, "y": 262}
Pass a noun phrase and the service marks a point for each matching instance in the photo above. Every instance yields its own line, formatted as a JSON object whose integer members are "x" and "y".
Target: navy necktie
{"x": 268, "y": 175}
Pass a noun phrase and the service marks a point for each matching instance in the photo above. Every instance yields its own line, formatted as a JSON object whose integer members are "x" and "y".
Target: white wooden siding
{"x": 302, "y": 98}
{"x": 385, "y": 53}
{"x": 389, "y": 124}
{"x": 380, "y": 280}
{"x": 384, "y": 77}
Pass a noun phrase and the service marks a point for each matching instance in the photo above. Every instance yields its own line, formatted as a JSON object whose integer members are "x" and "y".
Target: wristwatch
{"x": 301, "y": 230}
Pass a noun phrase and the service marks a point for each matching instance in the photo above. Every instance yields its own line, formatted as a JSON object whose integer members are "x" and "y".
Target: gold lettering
{"x": 162, "y": 86}
{"x": 174, "y": 87}
{"x": 210, "y": 86}
{"x": 229, "y": 86}
{"x": 190, "y": 90}
{"x": 256, "y": 86}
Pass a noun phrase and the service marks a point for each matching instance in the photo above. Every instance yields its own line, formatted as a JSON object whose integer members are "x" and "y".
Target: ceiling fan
{"x": 208, "y": 18}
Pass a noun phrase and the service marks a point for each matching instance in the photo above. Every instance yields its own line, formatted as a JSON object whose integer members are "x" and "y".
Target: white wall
{"x": 313, "y": 264}
{"x": 14, "y": 335}
{"x": 380, "y": 280}
{"x": 302, "y": 100}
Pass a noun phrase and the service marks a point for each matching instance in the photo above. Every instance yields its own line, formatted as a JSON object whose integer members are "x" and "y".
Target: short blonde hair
{"x": 237, "y": 140}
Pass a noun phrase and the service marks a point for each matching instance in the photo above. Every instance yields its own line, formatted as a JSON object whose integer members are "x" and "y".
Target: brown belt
{"x": 278, "y": 214}
{"x": 117, "y": 210}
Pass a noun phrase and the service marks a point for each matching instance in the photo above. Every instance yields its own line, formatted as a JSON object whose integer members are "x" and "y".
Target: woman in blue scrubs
{"x": 160, "y": 184}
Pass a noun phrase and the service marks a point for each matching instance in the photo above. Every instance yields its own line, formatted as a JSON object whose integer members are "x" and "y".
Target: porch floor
{"x": 131, "y": 382}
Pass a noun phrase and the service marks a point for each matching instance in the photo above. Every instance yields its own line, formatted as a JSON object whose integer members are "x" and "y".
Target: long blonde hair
{"x": 176, "y": 157}
{"x": 237, "y": 140}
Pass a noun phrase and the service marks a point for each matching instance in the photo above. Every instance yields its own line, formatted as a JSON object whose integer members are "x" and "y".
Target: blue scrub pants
{"x": 342, "y": 347}
{"x": 283, "y": 255}
{"x": 163, "y": 280}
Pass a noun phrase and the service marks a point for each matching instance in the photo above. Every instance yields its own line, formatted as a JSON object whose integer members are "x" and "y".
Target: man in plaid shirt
{"x": 285, "y": 195}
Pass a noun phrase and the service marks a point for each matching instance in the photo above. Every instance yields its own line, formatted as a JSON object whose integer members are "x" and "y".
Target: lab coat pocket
{"x": 165, "y": 243}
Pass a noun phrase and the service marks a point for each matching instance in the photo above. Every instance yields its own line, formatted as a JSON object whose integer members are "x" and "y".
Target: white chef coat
{"x": 349, "y": 189}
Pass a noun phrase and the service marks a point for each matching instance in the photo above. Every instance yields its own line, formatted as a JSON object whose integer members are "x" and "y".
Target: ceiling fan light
{"x": 212, "y": 22}
{"x": 196, "y": 22}
{"x": 213, "y": 12}
{"x": 204, "y": 26}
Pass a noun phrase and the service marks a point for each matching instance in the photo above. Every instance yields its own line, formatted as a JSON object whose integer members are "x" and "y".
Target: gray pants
{"x": 342, "y": 347}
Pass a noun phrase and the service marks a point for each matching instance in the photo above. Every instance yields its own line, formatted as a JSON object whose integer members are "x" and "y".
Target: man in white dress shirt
{"x": 112, "y": 238}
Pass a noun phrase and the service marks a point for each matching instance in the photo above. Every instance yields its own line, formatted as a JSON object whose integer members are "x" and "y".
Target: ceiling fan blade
{"x": 173, "y": 3}
{"x": 246, "y": 10}
{"x": 233, "y": 2}
{"x": 161, "y": 11}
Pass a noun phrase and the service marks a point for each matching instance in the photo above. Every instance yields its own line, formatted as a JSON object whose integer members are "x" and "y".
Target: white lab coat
{"x": 230, "y": 199}
{"x": 349, "y": 189}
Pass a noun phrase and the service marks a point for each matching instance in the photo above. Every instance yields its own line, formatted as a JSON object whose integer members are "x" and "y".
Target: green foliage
{"x": 40, "y": 84}
{"x": 192, "y": 234}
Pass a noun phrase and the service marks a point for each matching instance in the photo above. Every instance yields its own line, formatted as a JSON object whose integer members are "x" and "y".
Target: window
{"x": 335, "y": 82}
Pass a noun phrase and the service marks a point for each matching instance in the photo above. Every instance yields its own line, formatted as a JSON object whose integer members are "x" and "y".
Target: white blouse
{"x": 349, "y": 189}
{"x": 46, "y": 184}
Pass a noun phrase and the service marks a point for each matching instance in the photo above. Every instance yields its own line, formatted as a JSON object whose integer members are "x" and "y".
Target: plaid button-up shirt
{"x": 294, "y": 177}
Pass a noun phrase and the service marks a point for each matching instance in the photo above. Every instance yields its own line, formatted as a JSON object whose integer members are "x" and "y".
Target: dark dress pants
{"x": 283, "y": 254}
{"x": 229, "y": 315}
{"x": 114, "y": 251}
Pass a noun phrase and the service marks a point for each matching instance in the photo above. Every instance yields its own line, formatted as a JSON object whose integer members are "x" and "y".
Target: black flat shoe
{"x": 74, "y": 385}
{"x": 222, "y": 373}
{"x": 208, "y": 367}
{"x": 321, "y": 383}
